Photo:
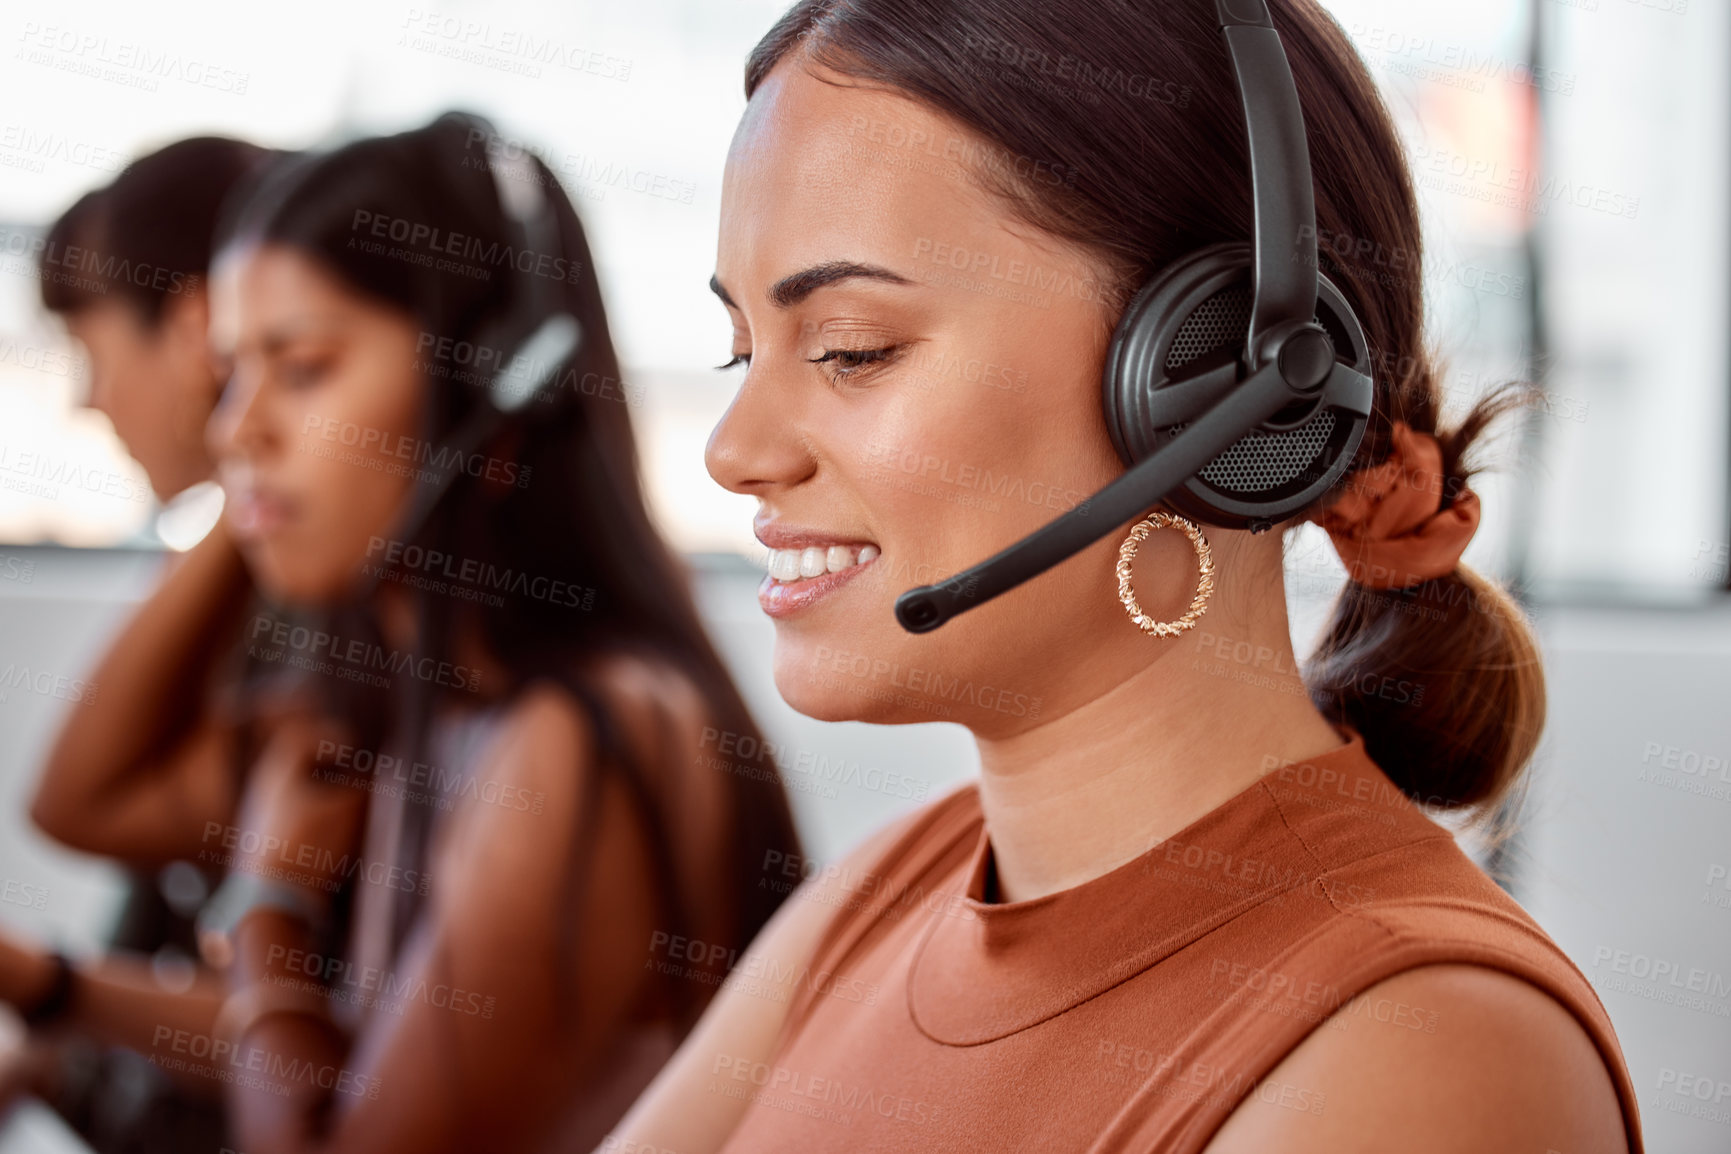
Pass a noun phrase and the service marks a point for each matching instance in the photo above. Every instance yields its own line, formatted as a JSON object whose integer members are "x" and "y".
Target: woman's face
{"x": 315, "y": 435}
{"x": 155, "y": 383}
{"x": 922, "y": 390}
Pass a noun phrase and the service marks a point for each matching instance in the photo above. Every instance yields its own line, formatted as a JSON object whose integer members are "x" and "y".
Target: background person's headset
{"x": 534, "y": 338}
{"x": 1238, "y": 383}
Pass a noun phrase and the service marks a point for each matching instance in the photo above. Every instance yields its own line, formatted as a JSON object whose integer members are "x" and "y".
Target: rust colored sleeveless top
{"x": 1136, "y": 1011}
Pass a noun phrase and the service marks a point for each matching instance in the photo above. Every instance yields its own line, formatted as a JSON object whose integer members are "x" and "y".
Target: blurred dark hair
{"x": 147, "y": 235}
{"x": 1137, "y": 100}
{"x": 581, "y": 519}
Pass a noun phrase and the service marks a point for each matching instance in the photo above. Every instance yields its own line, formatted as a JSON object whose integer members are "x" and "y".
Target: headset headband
{"x": 535, "y": 338}
{"x": 546, "y": 335}
{"x": 1284, "y": 286}
{"x": 1287, "y": 356}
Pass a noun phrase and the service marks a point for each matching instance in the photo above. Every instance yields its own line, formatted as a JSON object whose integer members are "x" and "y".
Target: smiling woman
{"x": 1193, "y": 902}
{"x": 868, "y": 326}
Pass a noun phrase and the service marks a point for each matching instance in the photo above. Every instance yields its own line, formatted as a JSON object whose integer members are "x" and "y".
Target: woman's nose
{"x": 237, "y": 424}
{"x": 757, "y": 443}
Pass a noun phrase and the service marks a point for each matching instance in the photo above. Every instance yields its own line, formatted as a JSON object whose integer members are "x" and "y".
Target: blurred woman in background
{"x": 131, "y": 768}
{"x": 115, "y": 778}
{"x": 141, "y": 307}
{"x": 480, "y": 833}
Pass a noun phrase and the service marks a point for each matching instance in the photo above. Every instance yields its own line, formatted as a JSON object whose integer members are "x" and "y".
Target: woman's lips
{"x": 254, "y": 514}
{"x": 799, "y": 578}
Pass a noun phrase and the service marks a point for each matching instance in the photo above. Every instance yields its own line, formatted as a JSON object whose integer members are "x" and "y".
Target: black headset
{"x": 535, "y": 333}
{"x": 540, "y": 335}
{"x": 1238, "y": 383}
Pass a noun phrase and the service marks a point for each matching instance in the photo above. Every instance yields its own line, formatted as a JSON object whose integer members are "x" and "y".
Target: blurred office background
{"x": 1571, "y": 156}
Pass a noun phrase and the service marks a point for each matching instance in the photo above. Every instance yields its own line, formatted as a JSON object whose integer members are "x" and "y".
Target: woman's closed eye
{"x": 843, "y": 362}
{"x": 847, "y": 362}
{"x": 305, "y": 369}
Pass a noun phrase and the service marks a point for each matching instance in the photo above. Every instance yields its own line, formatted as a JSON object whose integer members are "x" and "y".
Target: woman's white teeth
{"x": 799, "y": 564}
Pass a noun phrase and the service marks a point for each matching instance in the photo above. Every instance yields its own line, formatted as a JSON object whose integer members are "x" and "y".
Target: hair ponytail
{"x": 1443, "y": 679}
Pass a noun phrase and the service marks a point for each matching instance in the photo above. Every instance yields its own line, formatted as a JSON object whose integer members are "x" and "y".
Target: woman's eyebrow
{"x": 790, "y": 290}
{"x": 287, "y": 332}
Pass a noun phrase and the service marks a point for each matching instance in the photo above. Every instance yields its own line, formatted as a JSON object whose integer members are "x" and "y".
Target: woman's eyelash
{"x": 848, "y": 360}
{"x": 845, "y": 360}
{"x": 299, "y": 373}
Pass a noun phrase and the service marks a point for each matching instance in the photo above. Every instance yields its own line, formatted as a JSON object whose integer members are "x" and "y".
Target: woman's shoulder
{"x": 1419, "y": 897}
{"x": 1416, "y": 941}
{"x": 1380, "y": 862}
{"x": 1511, "y": 1068}
{"x": 548, "y": 737}
{"x": 618, "y": 700}
{"x": 918, "y": 851}
{"x": 912, "y": 862}
{"x": 1422, "y": 901}
{"x": 1454, "y": 1003}
{"x": 929, "y": 840}
{"x": 645, "y": 688}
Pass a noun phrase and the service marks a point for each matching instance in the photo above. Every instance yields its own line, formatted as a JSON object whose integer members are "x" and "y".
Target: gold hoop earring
{"x": 1204, "y": 578}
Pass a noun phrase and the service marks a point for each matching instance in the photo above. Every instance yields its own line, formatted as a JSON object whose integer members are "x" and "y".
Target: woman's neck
{"x": 1087, "y": 791}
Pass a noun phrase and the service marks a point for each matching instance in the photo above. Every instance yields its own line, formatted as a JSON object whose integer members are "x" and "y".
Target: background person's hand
{"x": 28, "y": 1066}
{"x": 294, "y": 825}
{"x": 26, "y": 972}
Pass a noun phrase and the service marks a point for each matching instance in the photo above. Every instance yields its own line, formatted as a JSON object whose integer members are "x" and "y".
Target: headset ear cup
{"x": 1195, "y": 317}
{"x": 1135, "y": 364}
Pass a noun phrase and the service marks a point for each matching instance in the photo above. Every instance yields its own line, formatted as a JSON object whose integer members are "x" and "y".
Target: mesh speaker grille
{"x": 1222, "y": 319}
{"x": 1262, "y": 461}
{"x": 1258, "y": 461}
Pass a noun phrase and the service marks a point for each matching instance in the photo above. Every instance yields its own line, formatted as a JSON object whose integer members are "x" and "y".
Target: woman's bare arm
{"x": 1507, "y": 1070}
{"x": 118, "y": 999}
{"x": 138, "y": 771}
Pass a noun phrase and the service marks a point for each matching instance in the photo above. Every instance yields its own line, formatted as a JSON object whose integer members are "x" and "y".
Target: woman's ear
{"x": 185, "y": 328}
{"x": 187, "y": 314}
{"x": 193, "y": 379}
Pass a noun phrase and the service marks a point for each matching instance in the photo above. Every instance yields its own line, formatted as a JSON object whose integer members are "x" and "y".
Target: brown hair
{"x": 148, "y": 235}
{"x": 1135, "y": 104}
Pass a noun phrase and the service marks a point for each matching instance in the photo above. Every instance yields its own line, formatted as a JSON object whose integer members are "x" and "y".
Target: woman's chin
{"x": 296, "y": 587}
{"x": 820, "y": 704}
{"x": 817, "y": 694}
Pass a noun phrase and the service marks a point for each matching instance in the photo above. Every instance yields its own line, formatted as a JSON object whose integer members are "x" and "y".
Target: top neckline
{"x": 985, "y": 970}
